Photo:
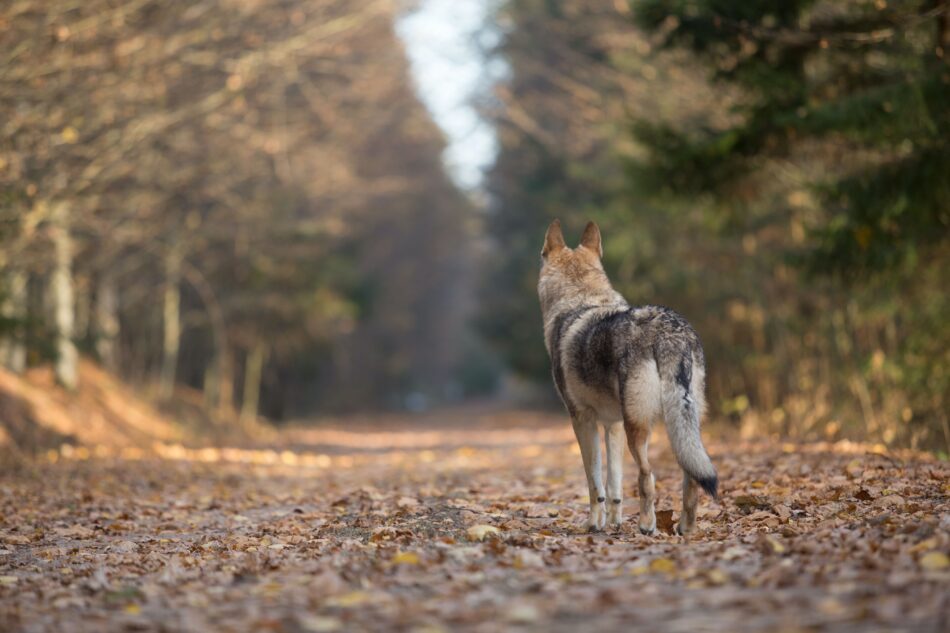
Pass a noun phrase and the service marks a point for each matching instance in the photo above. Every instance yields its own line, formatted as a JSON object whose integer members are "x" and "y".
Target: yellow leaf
{"x": 774, "y": 544}
{"x": 132, "y": 609}
{"x": 69, "y": 134}
{"x": 927, "y": 544}
{"x": 406, "y": 558}
{"x": 480, "y": 532}
{"x": 272, "y": 589}
{"x": 352, "y": 599}
{"x": 717, "y": 577}
{"x": 9, "y": 580}
{"x": 933, "y": 561}
{"x": 662, "y": 565}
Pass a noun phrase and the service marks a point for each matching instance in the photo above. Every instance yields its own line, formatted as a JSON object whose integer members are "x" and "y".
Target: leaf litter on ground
{"x": 462, "y": 536}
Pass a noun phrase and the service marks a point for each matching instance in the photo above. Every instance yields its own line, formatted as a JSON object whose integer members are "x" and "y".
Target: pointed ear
{"x": 553, "y": 239}
{"x": 591, "y": 239}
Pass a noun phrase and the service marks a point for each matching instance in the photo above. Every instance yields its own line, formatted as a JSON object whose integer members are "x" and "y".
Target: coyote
{"x": 624, "y": 368}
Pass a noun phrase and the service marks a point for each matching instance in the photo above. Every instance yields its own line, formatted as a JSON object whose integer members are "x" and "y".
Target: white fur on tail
{"x": 682, "y": 411}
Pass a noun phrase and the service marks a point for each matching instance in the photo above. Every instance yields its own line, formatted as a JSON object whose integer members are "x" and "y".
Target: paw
{"x": 615, "y": 514}
{"x": 648, "y": 526}
{"x": 597, "y": 519}
{"x": 682, "y": 529}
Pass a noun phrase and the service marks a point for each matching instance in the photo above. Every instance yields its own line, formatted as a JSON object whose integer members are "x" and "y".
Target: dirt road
{"x": 362, "y": 528}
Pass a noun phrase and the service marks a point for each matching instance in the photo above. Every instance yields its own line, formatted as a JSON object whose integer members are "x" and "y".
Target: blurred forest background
{"x": 243, "y": 203}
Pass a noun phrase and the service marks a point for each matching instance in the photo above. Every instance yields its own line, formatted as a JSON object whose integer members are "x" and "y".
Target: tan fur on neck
{"x": 571, "y": 278}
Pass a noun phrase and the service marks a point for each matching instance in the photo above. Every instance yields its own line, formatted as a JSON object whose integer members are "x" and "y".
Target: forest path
{"x": 368, "y": 528}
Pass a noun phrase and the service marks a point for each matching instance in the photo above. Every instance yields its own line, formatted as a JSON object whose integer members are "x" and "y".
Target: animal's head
{"x": 571, "y": 273}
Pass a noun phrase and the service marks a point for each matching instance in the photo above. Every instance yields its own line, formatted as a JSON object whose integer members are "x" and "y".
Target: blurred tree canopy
{"x": 242, "y": 197}
{"x": 775, "y": 171}
{"x": 867, "y": 81}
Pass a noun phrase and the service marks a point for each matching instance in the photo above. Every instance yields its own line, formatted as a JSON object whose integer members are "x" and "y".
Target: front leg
{"x": 587, "y": 431}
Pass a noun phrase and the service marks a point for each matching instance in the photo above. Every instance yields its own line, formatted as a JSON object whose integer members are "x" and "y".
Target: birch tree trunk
{"x": 171, "y": 320}
{"x": 253, "y": 370}
{"x": 61, "y": 285}
{"x": 107, "y": 321}
{"x": 12, "y": 347}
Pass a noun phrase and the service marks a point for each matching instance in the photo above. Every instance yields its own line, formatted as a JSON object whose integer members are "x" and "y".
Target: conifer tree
{"x": 867, "y": 81}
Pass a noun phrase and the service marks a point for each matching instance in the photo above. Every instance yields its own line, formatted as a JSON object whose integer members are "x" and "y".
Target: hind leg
{"x": 690, "y": 499}
{"x": 614, "y": 434}
{"x": 638, "y": 437}
{"x": 587, "y": 431}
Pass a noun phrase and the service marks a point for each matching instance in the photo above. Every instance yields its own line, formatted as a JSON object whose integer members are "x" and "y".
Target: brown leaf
{"x": 664, "y": 521}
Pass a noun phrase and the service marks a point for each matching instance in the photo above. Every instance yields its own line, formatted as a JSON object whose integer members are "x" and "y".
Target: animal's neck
{"x": 606, "y": 298}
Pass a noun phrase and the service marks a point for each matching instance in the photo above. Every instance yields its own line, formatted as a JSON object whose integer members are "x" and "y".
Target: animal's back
{"x": 610, "y": 345}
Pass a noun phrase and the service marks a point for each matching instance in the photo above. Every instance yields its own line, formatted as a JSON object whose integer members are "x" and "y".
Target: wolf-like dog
{"x": 623, "y": 368}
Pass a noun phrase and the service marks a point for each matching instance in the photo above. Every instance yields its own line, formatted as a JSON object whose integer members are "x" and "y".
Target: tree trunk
{"x": 61, "y": 284}
{"x": 225, "y": 370}
{"x": 12, "y": 347}
{"x": 107, "y": 321}
{"x": 218, "y": 384}
{"x": 171, "y": 320}
{"x": 82, "y": 291}
{"x": 253, "y": 369}
{"x": 210, "y": 387}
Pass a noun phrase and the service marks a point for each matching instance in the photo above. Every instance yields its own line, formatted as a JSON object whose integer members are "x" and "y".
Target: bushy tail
{"x": 681, "y": 410}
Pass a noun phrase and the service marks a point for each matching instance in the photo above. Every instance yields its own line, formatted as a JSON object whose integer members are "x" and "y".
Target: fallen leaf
{"x": 717, "y": 577}
{"x": 890, "y": 500}
{"x": 933, "y": 561}
{"x": 528, "y": 558}
{"x": 772, "y": 544}
{"x": 407, "y": 502}
{"x": 351, "y": 599}
{"x": 522, "y": 613}
{"x": 481, "y": 532}
{"x": 664, "y": 521}
{"x": 663, "y": 566}
{"x": 734, "y": 552}
{"x": 405, "y": 558}
{"x": 75, "y": 531}
{"x": 784, "y": 512}
{"x": 749, "y": 503}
